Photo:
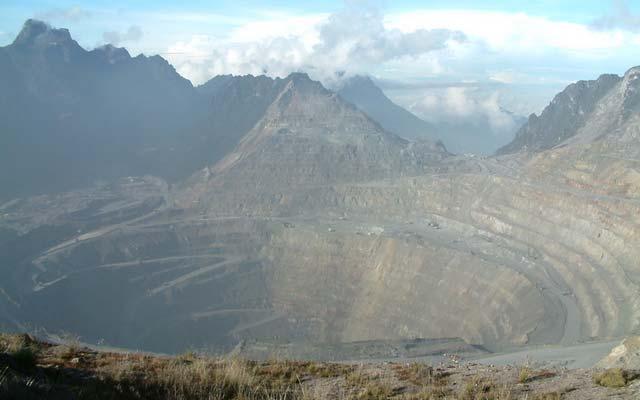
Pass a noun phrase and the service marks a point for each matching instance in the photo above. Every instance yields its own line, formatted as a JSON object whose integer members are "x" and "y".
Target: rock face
{"x": 564, "y": 117}
{"x": 626, "y": 355}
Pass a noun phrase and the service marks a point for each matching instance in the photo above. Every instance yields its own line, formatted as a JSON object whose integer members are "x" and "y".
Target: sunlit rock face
{"x": 626, "y": 355}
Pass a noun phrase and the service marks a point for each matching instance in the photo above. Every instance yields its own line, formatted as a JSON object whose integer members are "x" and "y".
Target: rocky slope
{"x": 626, "y": 355}
{"x": 308, "y": 137}
{"x": 569, "y": 111}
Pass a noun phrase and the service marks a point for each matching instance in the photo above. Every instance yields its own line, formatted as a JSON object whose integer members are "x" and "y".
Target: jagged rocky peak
{"x": 367, "y": 96}
{"x": 358, "y": 88}
{"x": 35, "y": 32}
{"x": 361, "y": 81}
{"x": 633, "y": 73}
{"x": 563, "y": 117}
{"x": 302, "y": 97}
{"x": 631, "y": 91}
{"x": 112, "y": 54}
{"x": 302, "y": 83}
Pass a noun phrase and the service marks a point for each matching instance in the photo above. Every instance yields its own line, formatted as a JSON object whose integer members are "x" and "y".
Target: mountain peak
{"x": 361, "y": 91}
{"x": 631, "y": 91}
{"x": 563, "y": 117}
{"x": 34, "y": 31}
{"x": 359, "y": 80}
{"x": 31, "y": 29}
{"x": 359, "y": 83}
{"x": 631, "y": 81}
{"x": 298, "y": 76}
{"x": 112, "y": 54}
{"x": 301, "y": 83}
{"x": 632, "y": 73}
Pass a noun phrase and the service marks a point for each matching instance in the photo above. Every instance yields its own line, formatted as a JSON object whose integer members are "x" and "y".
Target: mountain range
{"x": 255, "y": 214}
{"x": 102, "y": 114}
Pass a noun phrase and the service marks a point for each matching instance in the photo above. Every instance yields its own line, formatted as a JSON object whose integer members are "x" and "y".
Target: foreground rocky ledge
{"x": 31, "y": 369}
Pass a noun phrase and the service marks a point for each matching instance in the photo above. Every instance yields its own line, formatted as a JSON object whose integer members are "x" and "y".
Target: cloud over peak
{"x": 353, "y": 40}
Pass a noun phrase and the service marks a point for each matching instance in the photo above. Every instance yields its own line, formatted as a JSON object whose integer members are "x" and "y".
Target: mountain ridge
{"x": 563, "y": 117}
{"x": 128, "y": 114}
{"x": 364, "y": 94}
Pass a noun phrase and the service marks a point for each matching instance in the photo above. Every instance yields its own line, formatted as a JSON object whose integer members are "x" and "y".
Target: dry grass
{"x": 524, "y": 375}
{"x": 358, "y": 378}
{"x": 200, "y": 378}
{"x": 429, "y": 393}
{"x": 481, "y": 388}
{"x": 431, "y": 383}
{"x": 614, "y": 377}
{"x": 376, "y": 391}
{"x": 547, "y": 396}
{"x": 527, "y": 374}
{"x": 72, "y": 371}
{"x": 22, "y": 348}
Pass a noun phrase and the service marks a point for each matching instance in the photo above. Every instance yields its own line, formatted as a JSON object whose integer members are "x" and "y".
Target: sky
{"x": 436, "y": 58}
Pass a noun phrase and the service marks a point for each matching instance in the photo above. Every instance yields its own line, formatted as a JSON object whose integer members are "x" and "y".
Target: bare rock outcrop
{"x": 626, "y": 355}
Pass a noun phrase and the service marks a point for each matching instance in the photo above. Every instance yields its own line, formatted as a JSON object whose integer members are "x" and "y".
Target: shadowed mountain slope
{"x": 364, "y": 94}
{"x": 72, "y": 116}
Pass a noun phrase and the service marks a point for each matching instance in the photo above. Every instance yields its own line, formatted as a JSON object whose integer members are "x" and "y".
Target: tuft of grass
{"x": 25, "y": 357}
{"x": 420, "y": 374}
{"x": 22, "y": 348}
{"x": 3, "y": 375}
{"x": 524, "y": 375}
{"x": 431, "y": 383}
{"x": 614, "y": 378}
{"x": 476, "y": 387}
{"x": 358, "y": 378}
{"x": 188, "y": 356}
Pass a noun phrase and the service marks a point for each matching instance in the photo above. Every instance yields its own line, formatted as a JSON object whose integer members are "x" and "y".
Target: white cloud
{"x": 516, "y": 50}
{"x": 133, "y": 34}
{"x": 464, "y": 105}
{"x": 70, "y": 14}
{"x": 303, "y": 27}
{"x": 512, "y": 32}
{"x": 621, "y": 18}
{"x": 354, "y": 40}
{"x": 417, "y": 43}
